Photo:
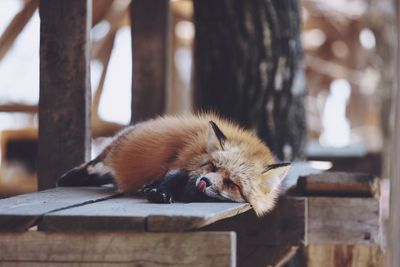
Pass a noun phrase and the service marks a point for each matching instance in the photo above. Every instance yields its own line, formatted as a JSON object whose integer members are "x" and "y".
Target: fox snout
{"x": 209, "y": 188}
{"x": 202, "y": 183}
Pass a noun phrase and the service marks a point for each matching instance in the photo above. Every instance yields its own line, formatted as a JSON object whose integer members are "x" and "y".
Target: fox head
{"x": 239, "y": 169}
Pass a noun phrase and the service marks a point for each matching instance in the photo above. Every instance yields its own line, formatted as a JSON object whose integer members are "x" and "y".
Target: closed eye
{"x": 229, "y": 182}
{"x": 211, "y": 166}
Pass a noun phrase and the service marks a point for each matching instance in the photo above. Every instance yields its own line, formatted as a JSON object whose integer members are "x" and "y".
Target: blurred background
{"x": 348, "y": 47}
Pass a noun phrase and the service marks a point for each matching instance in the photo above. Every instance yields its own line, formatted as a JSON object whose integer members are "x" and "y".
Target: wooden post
{"x": 394, "y": 223}
{"x": 150, "y": 45}
{"x": 64, "y": 104}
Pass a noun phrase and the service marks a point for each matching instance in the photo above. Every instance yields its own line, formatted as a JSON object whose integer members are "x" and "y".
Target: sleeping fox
{"x": 187, "y": 158}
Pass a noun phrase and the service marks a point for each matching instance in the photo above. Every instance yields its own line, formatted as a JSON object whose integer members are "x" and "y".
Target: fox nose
{"x": 205, "y": 179}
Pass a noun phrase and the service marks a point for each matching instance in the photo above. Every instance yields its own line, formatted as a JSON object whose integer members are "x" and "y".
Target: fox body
{"x": 187, "y": 157}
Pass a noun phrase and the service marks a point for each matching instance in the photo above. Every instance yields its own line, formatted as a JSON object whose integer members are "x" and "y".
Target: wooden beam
{"x": 394, "y": 219}
{"x": 119, "y": 248}
{"x": 100, "y": 9}
{"x": 343, "y": 255}
{"x": 150, "y": 45}
{"x": 15, "y": 27}
{"x": 18, "y": 107}
{"x": 339, "y": 184}
{"x": 64, "y": 103}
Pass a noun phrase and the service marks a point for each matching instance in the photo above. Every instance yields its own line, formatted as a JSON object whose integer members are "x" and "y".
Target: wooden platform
{"x": 91, "y": 226}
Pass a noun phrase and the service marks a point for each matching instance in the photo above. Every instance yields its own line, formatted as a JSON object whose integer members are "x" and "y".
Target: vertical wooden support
{"x": 150, "y": 45}
{"x": 64, "y": 105}
{"x": 394, "y": 224}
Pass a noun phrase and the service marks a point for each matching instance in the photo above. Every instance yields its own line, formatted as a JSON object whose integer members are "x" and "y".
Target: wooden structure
{"x": 99, "y": 226}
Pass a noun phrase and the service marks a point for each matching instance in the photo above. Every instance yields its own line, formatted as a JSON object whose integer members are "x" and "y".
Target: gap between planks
{"x": 25, "y": 211}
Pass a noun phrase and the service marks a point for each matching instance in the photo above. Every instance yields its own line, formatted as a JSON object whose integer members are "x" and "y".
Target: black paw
{"x": 157, "y": 195}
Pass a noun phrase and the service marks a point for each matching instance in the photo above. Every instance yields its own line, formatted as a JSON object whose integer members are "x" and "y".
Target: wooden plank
{"x": 136, "y": 249}
{"x": 64, "y": 103}
{"x": 21, "y": 212}
{"x": 264, "y": 241}
{"x": 344, "y": 255}
{"x": 150, "y": 46}
{"x": 339, "y": 184}
{"x": 128, "y": 213}
{"x": 343, "y": 221}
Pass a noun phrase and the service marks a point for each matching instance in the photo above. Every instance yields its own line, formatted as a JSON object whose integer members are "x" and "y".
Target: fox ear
{"x": 270, "y": 167}
{"x": 274, "y": 175}
{"x": 216, "y": 138}
{"x": 269, "y": 188}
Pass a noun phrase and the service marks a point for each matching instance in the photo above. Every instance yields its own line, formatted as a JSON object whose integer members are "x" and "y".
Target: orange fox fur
{"x": 238, "y": 169}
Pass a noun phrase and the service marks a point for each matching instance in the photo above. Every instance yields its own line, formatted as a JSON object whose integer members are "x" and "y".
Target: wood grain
{"x": 285, "y": 225}
{"x": 343, "y": 221}
{"x": 344, "y": 255}
{"x": 339, "y": 184}
{"x": 136, "y": 249}
{"x": 21, "y": 212}
{"x": 128, "y": 213}
{"x": 150, "y": 46}
{"x": 64, "y": 102}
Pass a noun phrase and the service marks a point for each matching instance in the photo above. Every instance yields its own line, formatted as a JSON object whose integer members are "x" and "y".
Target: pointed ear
{"x": 276, "y": 166}
{"x": 269, "y": 188}
{"x": 216, "y": 138}
{"x": 274, "y": 175}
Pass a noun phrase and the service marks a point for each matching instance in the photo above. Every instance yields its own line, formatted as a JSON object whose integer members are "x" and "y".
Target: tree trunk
{"x": 248, "y": 66}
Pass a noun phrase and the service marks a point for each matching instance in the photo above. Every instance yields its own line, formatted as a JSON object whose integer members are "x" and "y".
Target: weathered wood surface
{"x": 24, "y": 211}
{"x": 344, "y": 256}
{"x": 64, "y": 103}
{"x": 128, "y": 213}
{"x": 125, "y": 248}
{"x": 285, "y": 225}
{"x": 295, "y": 221}
{"x": 150, "y": 44}
{"x": 339, "y": 184}
{"x": 265, "y": 241}
{"x": 343, "y": 221}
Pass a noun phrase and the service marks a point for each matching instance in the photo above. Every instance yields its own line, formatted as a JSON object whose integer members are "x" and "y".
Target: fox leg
{"x": 169, "y": 189}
